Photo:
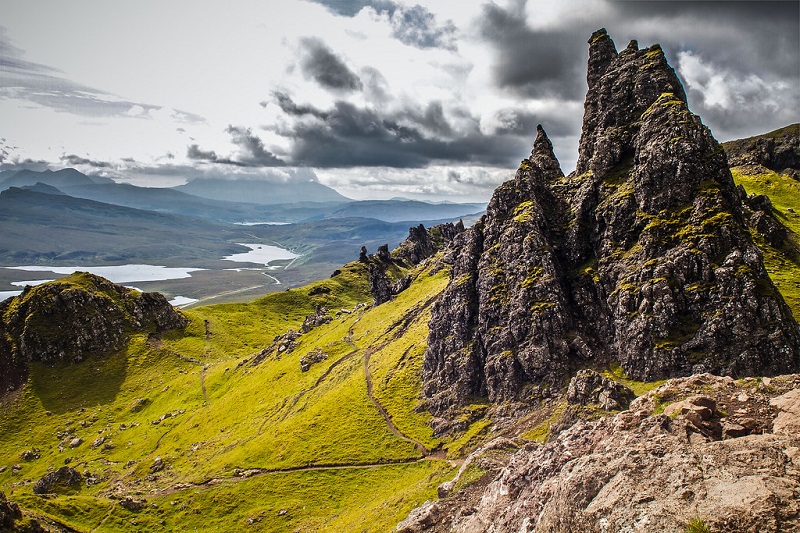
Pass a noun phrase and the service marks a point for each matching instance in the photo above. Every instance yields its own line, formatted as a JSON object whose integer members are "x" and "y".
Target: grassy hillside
{"x": 783, "y": 263}
{"x": 341, "y": 447}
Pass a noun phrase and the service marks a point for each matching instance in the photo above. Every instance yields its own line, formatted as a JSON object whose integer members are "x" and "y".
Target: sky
{"x": 425, "y": 99}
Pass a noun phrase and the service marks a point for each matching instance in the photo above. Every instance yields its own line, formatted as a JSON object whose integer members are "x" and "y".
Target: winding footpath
{"x": 397, "y": 329}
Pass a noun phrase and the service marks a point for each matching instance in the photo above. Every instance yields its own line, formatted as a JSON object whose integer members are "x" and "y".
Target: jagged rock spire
{"x": 621, "y": 88}
{"x": 601, "y": 53}
{"x": 542, "y": 145}
{"x": 640, "y": 256}
{"x": 542, "y": 154}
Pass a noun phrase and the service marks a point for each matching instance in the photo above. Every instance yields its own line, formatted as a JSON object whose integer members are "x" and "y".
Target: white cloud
{"x": 734, "y": 102}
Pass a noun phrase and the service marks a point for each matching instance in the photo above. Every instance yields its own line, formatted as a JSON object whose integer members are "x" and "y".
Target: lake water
{"x": 182, "y": 301}
{"x": 261, "y": 254}
{"x": 117, "y": 273}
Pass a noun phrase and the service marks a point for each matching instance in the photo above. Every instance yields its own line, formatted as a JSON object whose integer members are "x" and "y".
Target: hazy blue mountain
{"x": 404, "y": 210}
{"x": 43, "y": 188}
{"x": 47, "y": 227}
{"x": 60, "y": 178}
{"x": 261, "y": 192}
{"x": 167, "y": 200}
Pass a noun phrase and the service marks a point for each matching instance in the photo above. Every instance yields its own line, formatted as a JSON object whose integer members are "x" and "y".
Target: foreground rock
{"x": 9, "y": 513}
{"x": 642, "y": 470}
{"x": 75, "y": 317}
{"x": 641, "y": 256}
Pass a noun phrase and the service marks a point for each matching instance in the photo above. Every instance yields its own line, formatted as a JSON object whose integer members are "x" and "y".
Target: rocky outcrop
{"x": 420, "y": 245}
{"x": 777, "y": 150}
{"x": 9, "y": 513}
{"x": 640, "y": 256}
{"x": 68, "y": 320}
{"x": 311, "y": 358}
{"x": 642, "y": 470}
{"x": 318, "y": 318}
{"x": 64, "y": 478}
{"x": 423, "y": 243}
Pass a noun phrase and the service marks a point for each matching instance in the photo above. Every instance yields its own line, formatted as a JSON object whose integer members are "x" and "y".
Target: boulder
{"x": 63, "y": 478}
{"x": 589, "y": 387}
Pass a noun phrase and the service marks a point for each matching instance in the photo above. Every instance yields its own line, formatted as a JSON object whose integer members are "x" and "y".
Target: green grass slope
{"x": 341, "y": 447}
{"x": 783, "y": 264}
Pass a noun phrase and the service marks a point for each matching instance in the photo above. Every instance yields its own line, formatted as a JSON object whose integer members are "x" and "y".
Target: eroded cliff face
{"x": 70, "y": 319}
{"x": 640, "y": 256}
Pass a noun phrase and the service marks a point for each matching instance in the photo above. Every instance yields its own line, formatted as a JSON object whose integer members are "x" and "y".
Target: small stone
{"x": 74, "y": 443}
{"x": 132, "y": 505}
{"x": 732, "y": 430}
{"x": 158, "y": 464}
{"x": 30, "y": 455}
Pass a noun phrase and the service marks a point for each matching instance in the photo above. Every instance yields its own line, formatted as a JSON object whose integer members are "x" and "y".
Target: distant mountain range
{"x": 238, "y": 200}
{"x": 261, "y": 192}
{"x": 65, "y": 218}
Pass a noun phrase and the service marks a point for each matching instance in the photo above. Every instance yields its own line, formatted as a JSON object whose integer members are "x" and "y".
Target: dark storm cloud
{"x": 413, "y": 26}
{"x": 533, "y": 63}
{"x": 328, "y": 69}
{"x": 251, "y": 151}
{"x": 346, "y": 135}
{"x": 76, "y": 160}
{"x": 195, "y": 153}
{"x": 40, "y": 84}
{"x": 520, "y": 122}
{"x": 744, "y": 79}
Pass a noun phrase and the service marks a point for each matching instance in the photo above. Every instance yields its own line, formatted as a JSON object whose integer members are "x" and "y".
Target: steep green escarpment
{"x": 778, "y": 151}
{"x": 641, "y": 256}
{"x": 73, "y": 318}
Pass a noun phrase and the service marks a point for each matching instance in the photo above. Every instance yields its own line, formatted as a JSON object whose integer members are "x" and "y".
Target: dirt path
{"x": 106, "y": 517}
{"x": 389, "y": 422}
{"x": 256, "y": 472}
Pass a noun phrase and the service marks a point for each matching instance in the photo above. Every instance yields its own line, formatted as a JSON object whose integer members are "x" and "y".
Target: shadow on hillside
{"x": 65, "y": 387}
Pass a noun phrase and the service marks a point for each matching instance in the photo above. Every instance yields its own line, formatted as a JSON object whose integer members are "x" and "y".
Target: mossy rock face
{"x": 643, "y": 255}
{"x": 67, "y": 320}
